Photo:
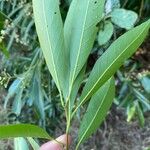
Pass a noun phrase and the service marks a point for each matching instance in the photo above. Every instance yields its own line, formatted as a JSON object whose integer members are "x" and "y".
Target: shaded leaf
{"x": 140, "y": 114}
{"x": 124, "y": 18}
{"x": 22, "y": 130}
{"x": 111, "y": 5}
{"x": 106, "y": 33}
{"x": 17, "y": 104}
{"x": 130, "y": 112}
{"x": 36, "y": 95}
{"x": 97, "y": 110}
{"x": 145, "y": 80}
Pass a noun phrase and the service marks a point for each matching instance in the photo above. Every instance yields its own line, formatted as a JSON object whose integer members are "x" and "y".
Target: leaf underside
{"x": 113, "y": 58}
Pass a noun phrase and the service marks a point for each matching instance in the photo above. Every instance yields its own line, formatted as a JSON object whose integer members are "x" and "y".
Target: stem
{"x": 68, "y": 118}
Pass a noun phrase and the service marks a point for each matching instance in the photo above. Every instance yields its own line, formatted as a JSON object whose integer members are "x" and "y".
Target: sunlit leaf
{"x": 22, "y": 130}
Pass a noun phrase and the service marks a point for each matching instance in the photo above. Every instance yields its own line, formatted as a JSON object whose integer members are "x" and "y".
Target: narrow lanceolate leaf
{"x": 49, "y": 27}
{"x": 76, "y": 87}
{"x": 33, "y": 143}
{"x": 80, "y": 32}
{"x": 96, "y": 111}
{"x": 20, "y": 144}
{"x": 113, "y": 58}
{"x": 22, "y": 130}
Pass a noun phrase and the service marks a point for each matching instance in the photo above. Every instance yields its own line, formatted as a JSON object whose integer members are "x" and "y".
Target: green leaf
{"x": 4, "y": 50}
{"x": 124, "y": 18}
{"x": 106, "y": 33}
{"x": 140, "y": 114}
{"x": 113, "y": 58}
{"x": 49, "y": 27}
{"x": 20, "y": 144}
{"x": 131, "y": 112}
{"x": 2, "y": 19}
{"x": 80, "y": 32}
{"x": 33, "y": 143}
{"x": 22, "y": 130}
{"x": 17, "y": 104}
{"x": 145, "y": 81}
{"x": 96, "y": 111}
{"x": 36, "y": 94}
{"x": 76, "y": 87}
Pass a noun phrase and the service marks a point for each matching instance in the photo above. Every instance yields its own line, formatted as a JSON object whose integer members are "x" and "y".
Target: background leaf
{"x": 111, "y": 5}
{"x": 113, "y": 58}
{"x": 20, "y": 144}
{"x": 124, "y": 18}
{"x": 97, "y": 110}
{"x": 80, "y": 32}
{"x": 22, "y": 130}
{"x": 105, "y": 33}
{"x": 33, "y": 143}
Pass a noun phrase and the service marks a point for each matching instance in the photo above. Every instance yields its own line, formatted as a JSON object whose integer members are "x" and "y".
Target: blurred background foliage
{"x": 31, "y": 93}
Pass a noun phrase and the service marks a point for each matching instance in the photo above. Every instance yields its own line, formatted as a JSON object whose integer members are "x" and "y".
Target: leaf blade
{"x": 97, "y": 110}
{"x": 22, "y": 130}
{"x": 108, "y": 64}
{"x": 80, "y": 32}
{"x": 49, "y": 27}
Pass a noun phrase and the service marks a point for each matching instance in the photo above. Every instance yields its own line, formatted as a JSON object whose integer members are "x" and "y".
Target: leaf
{"x": 124, "y": 18}
{"x": 4, "y": 50}
{"x": 140, "y": 114}
{"x": 131, "y": 112}
{"x": 22, "y": 130}
{"x": 2, "y": 20}
{"x": 142, "y": 99}
{"x": 113, "y": 58}
{"x": 80, "y": 32}
{"x": 20, "y": 144}
{"x": 33, "y": 143}
{"x": 49, "y": 27}
{"x": 17, "y": 104}
{"x": 13, "y": 89}
{"x": 106, "y": 33}
{"x": 36, "y": 94}
{"x": 96, "y": 111}
{"x": 111, "y": 5}
{"x": 76, "y": 87}
{"x": 145, "y": 81}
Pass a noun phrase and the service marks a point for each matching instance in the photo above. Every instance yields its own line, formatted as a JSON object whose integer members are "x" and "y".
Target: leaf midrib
{"x": 110, "y": 66}
{"x": 94, "y": 116}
